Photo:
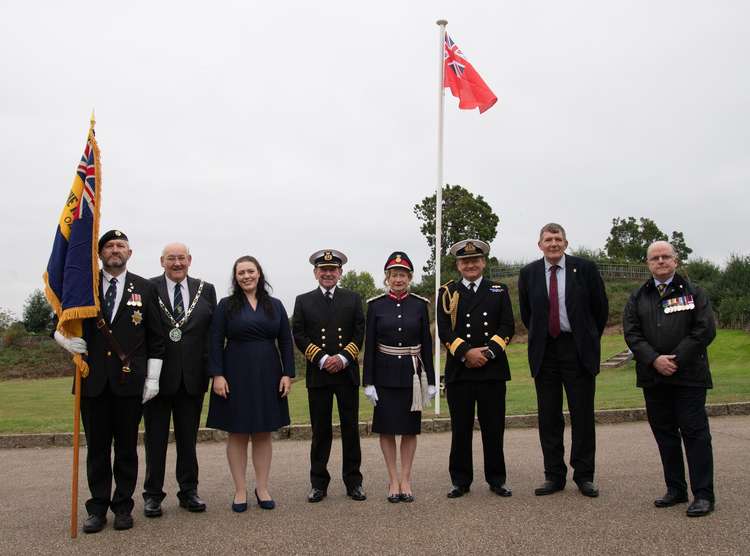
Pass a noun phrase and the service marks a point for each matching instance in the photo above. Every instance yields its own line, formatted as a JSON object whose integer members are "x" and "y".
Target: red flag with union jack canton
{"x": 464, "y": 81}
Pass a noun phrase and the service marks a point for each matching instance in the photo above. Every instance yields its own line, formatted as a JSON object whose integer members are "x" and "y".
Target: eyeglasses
{"x": 657, "y": 258}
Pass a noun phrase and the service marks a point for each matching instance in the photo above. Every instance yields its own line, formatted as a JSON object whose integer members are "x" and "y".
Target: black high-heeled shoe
{"x": 239, "y": 507}
{"x": 406, "y": 497}
{"x": 264, "y": 504}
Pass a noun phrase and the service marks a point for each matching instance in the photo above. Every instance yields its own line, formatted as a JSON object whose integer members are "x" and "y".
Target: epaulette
{"x": 375, "y": 297}
{"x": 420, "y": 297}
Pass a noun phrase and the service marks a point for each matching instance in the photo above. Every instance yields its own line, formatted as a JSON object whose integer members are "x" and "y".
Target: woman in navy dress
{"x": 252, "y": 363}
{"x": 398, "y": 370}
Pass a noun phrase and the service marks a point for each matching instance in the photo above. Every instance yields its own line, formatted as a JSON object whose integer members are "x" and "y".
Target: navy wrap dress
{"x": 252, "y": 350}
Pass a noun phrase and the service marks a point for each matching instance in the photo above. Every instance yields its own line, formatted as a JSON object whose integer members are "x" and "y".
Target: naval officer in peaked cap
{"x": 328, "y": 326}
{"x": 475, "y": 323}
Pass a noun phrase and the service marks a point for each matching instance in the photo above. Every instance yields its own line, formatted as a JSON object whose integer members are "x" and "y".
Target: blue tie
{"x": 109, "y": 299}
{"x": 179, "y": 307}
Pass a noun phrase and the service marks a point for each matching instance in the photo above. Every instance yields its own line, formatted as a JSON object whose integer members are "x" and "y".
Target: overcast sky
{"x": 279, "y": 128}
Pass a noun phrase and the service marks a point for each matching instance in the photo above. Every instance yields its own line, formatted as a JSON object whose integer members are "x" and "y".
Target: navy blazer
{"x": 585, "y": 301}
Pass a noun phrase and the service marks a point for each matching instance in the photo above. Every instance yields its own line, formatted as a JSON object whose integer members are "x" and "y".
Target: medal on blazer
{"x": 677, "y": 304}
{"x": 175, "y": 334}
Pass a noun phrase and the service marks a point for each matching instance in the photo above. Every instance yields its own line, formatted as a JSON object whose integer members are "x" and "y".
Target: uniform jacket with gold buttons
{"x": 330, "y": 328}
{"x": 481, "y": 319}
{"x": 396, "y": 323}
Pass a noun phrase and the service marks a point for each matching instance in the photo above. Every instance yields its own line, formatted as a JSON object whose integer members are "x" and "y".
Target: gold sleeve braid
{"x": 352, "y": 349}
{"x": 311, "y": 351}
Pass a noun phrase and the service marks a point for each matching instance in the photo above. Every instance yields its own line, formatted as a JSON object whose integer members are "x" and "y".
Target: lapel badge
{"x": 137, "y": 317}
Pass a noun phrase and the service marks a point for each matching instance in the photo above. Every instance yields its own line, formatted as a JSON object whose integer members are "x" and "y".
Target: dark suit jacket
{"x": 484, "y": 319}
{"x": 321, "y": 328}
{"x": 586, "y": 304}
{"x": 186, "y": 361}
{"x": 137, "y": 329}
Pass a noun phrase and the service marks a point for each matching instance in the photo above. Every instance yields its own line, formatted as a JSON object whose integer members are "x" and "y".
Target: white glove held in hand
{"x": 431, "y": 391}
{"x": 151, "y": 386}
{"x": 371, "y": 394}
{"x": 73, "y": 345}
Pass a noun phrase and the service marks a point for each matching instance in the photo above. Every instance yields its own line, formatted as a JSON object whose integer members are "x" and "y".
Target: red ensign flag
{"x": 464, "y": 81}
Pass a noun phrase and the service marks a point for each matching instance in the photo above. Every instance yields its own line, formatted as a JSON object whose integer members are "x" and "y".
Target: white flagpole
{"x": 439, "y": 204}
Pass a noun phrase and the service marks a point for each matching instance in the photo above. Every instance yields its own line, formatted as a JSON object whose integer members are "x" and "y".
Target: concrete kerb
{"x": 304, "y": 432}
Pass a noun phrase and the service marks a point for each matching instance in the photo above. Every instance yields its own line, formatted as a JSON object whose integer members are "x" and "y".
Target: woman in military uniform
{"x": 398, "y": 371}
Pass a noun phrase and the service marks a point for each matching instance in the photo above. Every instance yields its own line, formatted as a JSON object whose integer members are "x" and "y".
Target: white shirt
{"x": 466, "y": 283}
{"x": 564, "y": 322}
{"x": 183, "y": 289}
{"x": 322, "y": 361}
{"x": 120, "y": 288}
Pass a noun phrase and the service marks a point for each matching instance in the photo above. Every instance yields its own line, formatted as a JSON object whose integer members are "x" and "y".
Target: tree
{"x": 465, "y": 215}
{"x": 7, "y": 318}
{"x": 361, "y": 282}
{"x": 37, "y": 313}
{"x": 629, "y": 239}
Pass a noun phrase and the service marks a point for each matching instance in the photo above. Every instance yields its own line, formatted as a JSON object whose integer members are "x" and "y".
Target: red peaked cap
{"x": 399, "y": 259}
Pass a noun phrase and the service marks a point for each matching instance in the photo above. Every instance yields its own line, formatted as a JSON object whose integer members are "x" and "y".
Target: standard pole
{"x": 76, "y": 443}
{"x": 439, "y": 201}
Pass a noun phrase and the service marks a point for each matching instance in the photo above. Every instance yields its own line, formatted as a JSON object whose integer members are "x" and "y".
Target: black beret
{"x": 109, "y": 236}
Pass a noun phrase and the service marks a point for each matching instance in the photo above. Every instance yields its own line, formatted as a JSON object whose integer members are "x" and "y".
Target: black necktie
{"x": 661, "y": 288}
{"x": 472, "y": 285}
{"x": 179, "y": 307}
{"x": 329, "y": 296}
{"x": 109, "y": 299}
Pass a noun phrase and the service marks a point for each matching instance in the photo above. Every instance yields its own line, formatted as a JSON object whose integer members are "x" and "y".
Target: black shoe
{"x": 457, "y": 491}
{"x": 404, "y": 497}
{"x": 265, "y": 504}
{"x": 152, "y": 507}
{"x": 239, "y": 507}
{"x": 587, "y": 488}
{"x": 123, "y": 521}
{"x": 700, "y": 507}
{"x": 94, "y": 523}
{"x": 357, "y": 493}
{"x": 502, "y": 490}
{"x": 316, "y": 495}
{"x": 670, "y": 499}
{"x": 394, "y": 498}
{"x": 192, "y": 503}
{"x": 548, "y": 487}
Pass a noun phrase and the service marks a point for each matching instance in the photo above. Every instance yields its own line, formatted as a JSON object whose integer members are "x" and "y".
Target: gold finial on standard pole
{"x": 93, "y": 119}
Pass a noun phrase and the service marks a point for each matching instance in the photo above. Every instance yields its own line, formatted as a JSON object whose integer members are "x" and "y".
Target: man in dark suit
{"x": 329, "y": 325}
{"x": 186, "y": 306}
{"x": 564, "y": 307}
{"x": 668, "y": 324}
{"x": 475, "y": 322}
{"x": 125, "y": 351}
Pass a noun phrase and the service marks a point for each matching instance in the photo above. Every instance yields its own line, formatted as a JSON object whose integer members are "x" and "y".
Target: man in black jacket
{"x": 186, "y": 306}
{"x": 565, "y": 309}
{"x": 125, "y": 351}
{"x": 668, "y": 324}
{"x": 475, "y": 323}
{"x": 329, "y": 325}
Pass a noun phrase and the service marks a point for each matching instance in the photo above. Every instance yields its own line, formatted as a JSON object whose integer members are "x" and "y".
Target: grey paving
{"x": 35, "y": 485}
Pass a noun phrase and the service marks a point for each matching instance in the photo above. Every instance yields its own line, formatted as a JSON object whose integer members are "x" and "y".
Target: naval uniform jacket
{"x": 483, "y": 319}
{"x": 585, "y": 301}
{"x": 323, "y": 327}
{"x": 650, "y": 332}
{"x": 186, "y": 361}
{"x": 396, "y": 323}
{"x": 137, "y": 329}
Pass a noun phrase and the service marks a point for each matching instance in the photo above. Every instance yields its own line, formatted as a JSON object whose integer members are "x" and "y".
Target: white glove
{"x": 151, "y": 386}
{"x": 371, "y": 394}
{"x": 431, "y": 391}
{"x": 73, "y": 345}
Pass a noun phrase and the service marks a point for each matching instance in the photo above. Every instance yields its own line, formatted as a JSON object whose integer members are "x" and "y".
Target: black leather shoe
{"x": 152, "y": 507}
{"x": 394, "y": 498}
{"x": 457, "y": 491}
{"x": 192, "y": 503}
{"x": 403, "y": 497}
{"x": 501, "y": 490}
{"x": 588, "y": 488}
{"x": 316, "y": 495}
{"x": 357, "y": 493}
{"x": 265, "y": 504}
{"x": 670, "y": 499}
{"x": 94, "y": 523}
{"x": 700, "y": 507}
{"x": 548, "y": 487}
{"x": 123, "y": 521}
